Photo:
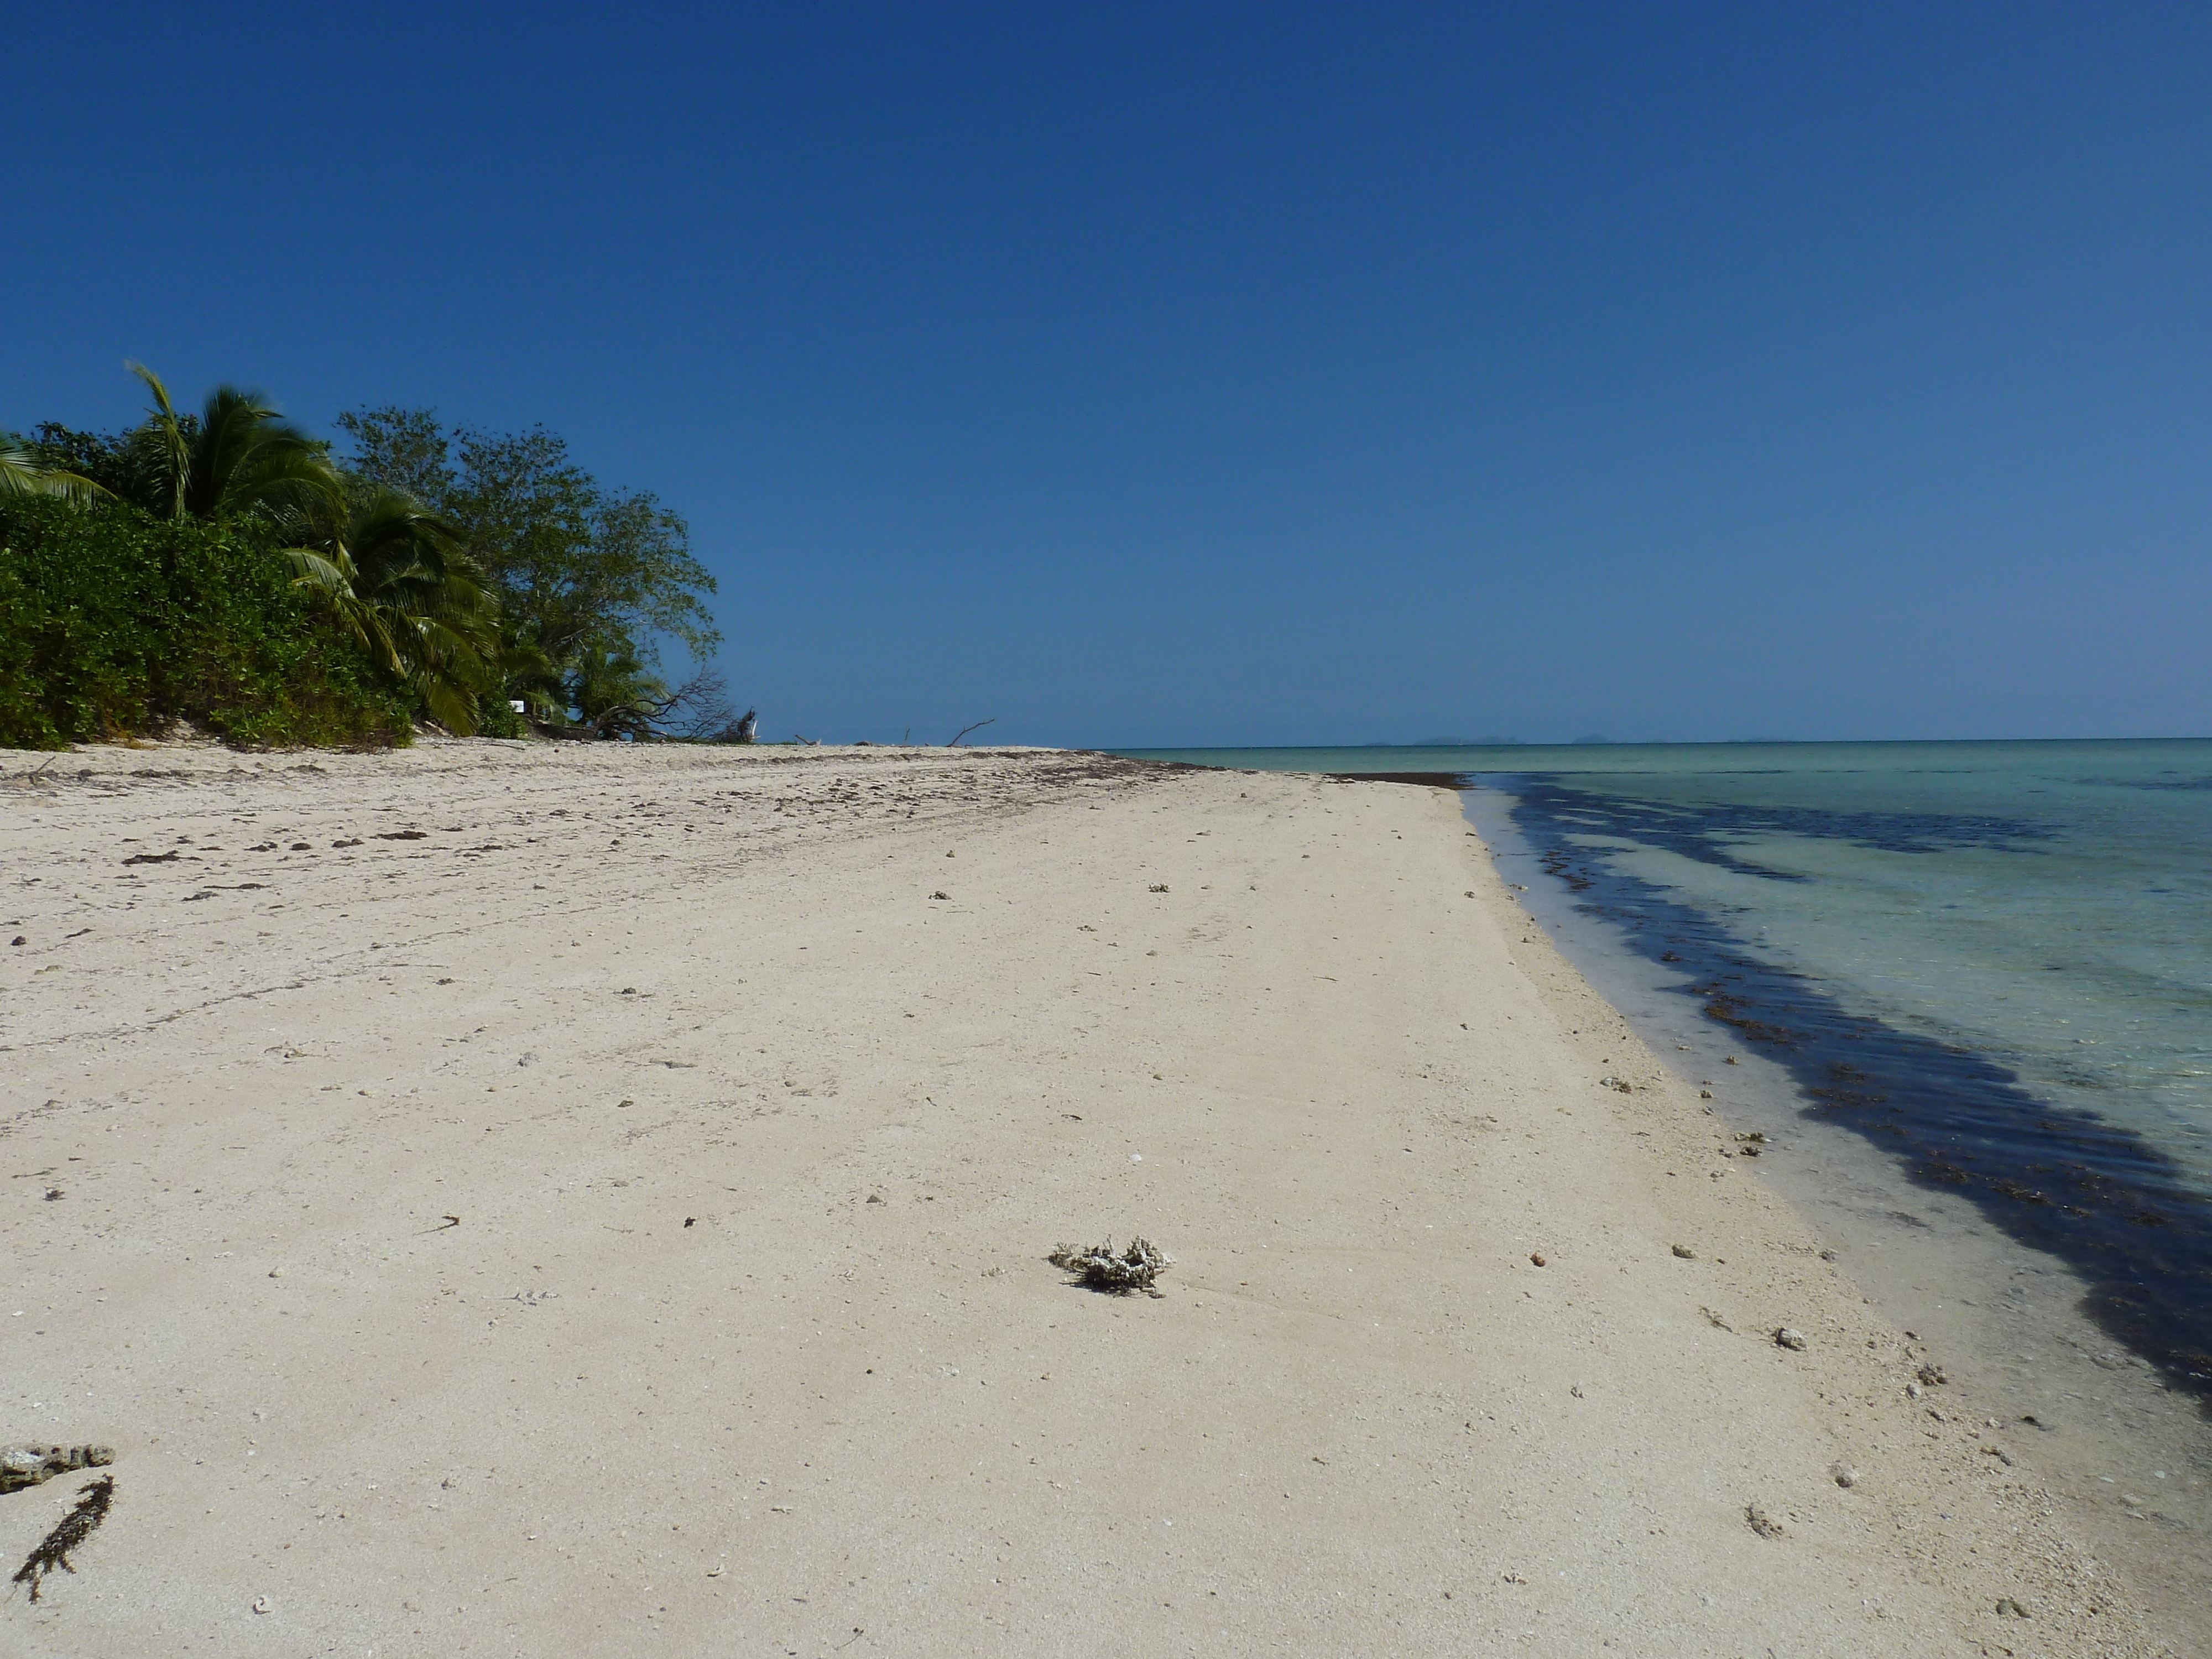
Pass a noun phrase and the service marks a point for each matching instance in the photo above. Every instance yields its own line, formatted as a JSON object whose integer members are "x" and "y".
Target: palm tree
{"x": 398, "y": 578}
{"x": 240, "y": 456}
{"x": 21, "y": 475}
{"x": 394, "y": 575}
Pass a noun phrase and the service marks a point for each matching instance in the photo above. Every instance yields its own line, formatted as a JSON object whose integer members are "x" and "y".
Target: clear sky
{"x": 1192, "y": 372}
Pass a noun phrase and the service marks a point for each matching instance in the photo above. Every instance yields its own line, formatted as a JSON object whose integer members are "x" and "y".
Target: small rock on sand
{"x": 1786, "y": 1338}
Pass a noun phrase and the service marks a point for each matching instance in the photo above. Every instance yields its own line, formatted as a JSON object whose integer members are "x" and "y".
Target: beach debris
{"x": 19, "y": 940}
{"x": 68, "y": 1533}
{"x": 1931, "y": 1374}
{"x": 31, "y": 1466}
{"x": 1618, "y": 1086}
{"x": 1684, "y": 1251}
{"x": 1536, "y": 1258}
{"x": 1786, "y": 1338}
{"x": 1730, "y": 1061}
{"x": 2006, "y": 1605}
{"x": 1761, "y": 1523}
{"x": 1705, "y": 1094}
{"x": 53, "y": 1193}
{"x": 259, "y": 1604}
{"x": 1716, "y": 1320}
{"x": 1099, "y": 1269}
{"x": 941, "y": 896}
{"x": 1843, "y": 1475}
{"x": 1999, "y": 1453}
{"x": 875, "y": 1198}
{"x": 1157, "y": 887}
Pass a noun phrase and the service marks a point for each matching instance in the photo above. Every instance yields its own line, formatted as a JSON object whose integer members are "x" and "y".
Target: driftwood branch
{"x": 965, "y": 730}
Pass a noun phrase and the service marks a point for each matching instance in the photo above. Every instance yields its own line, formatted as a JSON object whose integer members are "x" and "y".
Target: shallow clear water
{"x": 1994, "y": 960}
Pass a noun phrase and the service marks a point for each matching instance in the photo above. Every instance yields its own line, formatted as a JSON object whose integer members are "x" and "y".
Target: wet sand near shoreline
{"x": 587, "y": 1199}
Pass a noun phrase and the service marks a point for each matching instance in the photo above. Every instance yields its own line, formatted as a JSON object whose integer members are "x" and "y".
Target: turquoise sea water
{"x": 1994, "y": 960}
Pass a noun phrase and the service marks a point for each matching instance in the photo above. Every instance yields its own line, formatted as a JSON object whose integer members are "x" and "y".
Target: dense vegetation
{"x": 114, "y": 622}
{"x": 228, "y": 568}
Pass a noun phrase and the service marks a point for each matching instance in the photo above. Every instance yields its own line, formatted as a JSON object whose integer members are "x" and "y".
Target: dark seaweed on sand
{"x": 80, "y": 1523}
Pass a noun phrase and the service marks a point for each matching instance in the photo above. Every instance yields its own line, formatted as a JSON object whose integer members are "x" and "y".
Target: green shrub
{"x": 114, "y": 622}
{"x": 496, "y": 717}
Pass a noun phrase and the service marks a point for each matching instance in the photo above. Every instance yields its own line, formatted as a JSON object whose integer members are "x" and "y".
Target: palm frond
{"x": 21, "y": 475}
{"x": 163, "y": 445}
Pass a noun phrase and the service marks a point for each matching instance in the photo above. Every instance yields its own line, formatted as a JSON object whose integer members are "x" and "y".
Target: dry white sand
{"x": 579, "y": 1200}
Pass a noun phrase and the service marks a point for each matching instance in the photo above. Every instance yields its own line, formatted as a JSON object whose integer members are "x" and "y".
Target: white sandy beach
{"x": 580, "y": 1200}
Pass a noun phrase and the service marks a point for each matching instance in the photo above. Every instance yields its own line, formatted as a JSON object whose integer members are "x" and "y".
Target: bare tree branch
{"x": 965, "y": 730}
{"x": 700, "y": 708}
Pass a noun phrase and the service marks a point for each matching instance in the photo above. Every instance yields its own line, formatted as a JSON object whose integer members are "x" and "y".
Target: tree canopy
{"x": 471, "y": 569}
{"x": 589, "y": 578}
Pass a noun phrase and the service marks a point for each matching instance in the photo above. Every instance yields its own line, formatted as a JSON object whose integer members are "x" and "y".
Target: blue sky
{"x": 1209, "y": 374}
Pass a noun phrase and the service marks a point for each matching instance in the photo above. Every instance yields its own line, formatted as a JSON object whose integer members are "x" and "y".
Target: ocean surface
{"x": 1991, "y": 961}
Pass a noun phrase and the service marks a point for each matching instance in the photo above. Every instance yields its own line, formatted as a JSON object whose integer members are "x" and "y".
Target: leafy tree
{"x": 589, "y": 578}
{"x": 103, "y": 459}
{"x": 393, "y": 575}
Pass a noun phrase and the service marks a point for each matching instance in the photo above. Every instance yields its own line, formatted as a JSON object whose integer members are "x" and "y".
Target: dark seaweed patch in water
{"x": 2153, "y": 783}
{"x": 2095, "y": 1195}
{"x": 1704, "y": 833}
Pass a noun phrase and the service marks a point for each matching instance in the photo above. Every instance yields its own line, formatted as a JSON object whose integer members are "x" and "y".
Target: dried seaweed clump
{"x": 1098, "y": 1266}
{"x": 27, "y": 1466}
{"x": 79, "y": 1524}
